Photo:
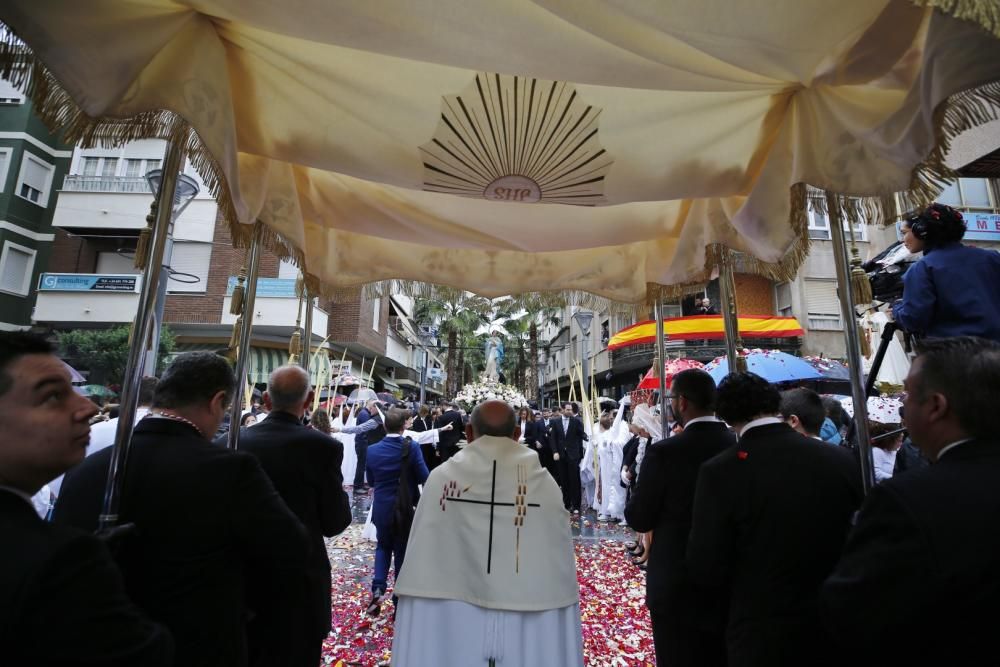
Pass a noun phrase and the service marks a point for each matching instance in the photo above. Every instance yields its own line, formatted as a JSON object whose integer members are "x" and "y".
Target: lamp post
{"x": 540, "y": 365}
{"x": 186, "y": 190}
{"x": 583, "y": 319}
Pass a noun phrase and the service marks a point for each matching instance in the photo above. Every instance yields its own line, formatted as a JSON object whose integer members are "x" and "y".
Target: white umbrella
{"x": 881, "y": 409}
{"x": 362, "y": 395}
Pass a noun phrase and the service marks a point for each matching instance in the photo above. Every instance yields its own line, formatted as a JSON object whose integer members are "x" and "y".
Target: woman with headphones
{"x": 955, "y": 289}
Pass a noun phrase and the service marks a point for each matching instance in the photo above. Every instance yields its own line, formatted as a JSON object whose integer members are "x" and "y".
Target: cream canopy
{"x": 503, "y": 147}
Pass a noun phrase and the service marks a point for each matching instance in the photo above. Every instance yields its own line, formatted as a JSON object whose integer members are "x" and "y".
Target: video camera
{"x": 885, "y": 272}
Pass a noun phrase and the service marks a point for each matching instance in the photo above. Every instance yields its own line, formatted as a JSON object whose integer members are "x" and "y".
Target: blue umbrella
{"x": 771, "y": 365}
{"x": 829, "y": 368}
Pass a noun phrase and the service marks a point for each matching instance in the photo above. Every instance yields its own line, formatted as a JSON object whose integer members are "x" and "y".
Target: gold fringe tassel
{"x": 866, "y": 346}
{"x": 741, "y": 363}
{"x": 985, "y": 13}
{"x": 239, "y": 293}
{"x": 295, "y": 347}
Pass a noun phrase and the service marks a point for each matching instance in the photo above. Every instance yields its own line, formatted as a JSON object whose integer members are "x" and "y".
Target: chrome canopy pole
{"x": 242, "y": 359}
{"x": 141, "y": 329}
{"x": 660, "y": 363}
{"x": 853, "y": 340}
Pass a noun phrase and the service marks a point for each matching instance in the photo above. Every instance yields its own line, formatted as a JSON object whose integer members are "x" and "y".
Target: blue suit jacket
{"x": 952, "y": 291}
{"x": 382, "y": 471}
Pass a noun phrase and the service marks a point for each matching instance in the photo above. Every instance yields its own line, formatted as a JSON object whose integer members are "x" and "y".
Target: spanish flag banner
{"x": 706, "y": 327}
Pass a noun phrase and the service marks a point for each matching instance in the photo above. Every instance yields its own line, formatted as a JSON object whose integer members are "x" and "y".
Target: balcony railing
{"x": 116, "y": 184}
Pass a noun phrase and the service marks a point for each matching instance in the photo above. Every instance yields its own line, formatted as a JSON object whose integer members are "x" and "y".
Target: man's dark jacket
{"x": 770, "y": 519}
{"x": 921, "y": 564}
{"x": 214, "y": 542}
{"x": 568, "y": 443}
{"x": 448, "y": 440}
{"x": 62, "y": 600}
{"x": 304, "y": 466}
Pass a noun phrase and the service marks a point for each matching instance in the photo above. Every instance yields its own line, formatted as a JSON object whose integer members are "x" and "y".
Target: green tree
{"x": 104, "y": 352}
{"x": 454, "y": 312}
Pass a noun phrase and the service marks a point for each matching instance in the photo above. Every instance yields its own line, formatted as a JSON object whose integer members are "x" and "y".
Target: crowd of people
{"x": 758, "y": 544}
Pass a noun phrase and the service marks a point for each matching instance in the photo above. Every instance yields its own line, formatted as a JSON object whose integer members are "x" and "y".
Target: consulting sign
{"x": 88, "y": 282}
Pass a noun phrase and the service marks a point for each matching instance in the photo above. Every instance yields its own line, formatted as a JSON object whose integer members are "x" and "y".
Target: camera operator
{"x": 953, "y": 290}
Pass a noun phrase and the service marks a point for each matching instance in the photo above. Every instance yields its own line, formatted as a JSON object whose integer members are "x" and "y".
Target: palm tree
{"x": 454, "y": 312}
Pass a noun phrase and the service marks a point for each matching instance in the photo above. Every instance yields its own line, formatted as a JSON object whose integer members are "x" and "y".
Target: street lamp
{"x": 583, "y": 319}
{"x": 187, "y": 189}
{"x": 540, "y": 365}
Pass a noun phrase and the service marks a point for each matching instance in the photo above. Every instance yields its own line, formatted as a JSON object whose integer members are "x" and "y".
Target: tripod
{"x": 888, "y": 331}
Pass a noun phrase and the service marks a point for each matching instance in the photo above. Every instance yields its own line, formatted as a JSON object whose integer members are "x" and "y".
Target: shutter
{"x": 109, "y": 167}
{"x": 975, "y": 192}
{"x": 133, "y": 168}
{"x": 193, "y": 259}
{"x": 16, "y": 265}
{"x": 36, "y": 174}
{"x": 287, "y": 270}
{"x": 821, "y": 297}
{"x": 112, "y": 262}
{"x": 90, "y": 166}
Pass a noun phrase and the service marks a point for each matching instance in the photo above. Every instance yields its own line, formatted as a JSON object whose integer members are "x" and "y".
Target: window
{"x": 152, "y": 165}
{"x": 109, "y": 167}
{"x": 376, "y": 313}
{"x": 191, "y": 261}
{"x": 90, "y": 165}
{"x": 819, "y": 228}
{"x": 35, "y": 180}
{"x": 4, "y": 163}
{"x": 605, "y": 332}
{"x": 968, "y": 193}
{"x": 783, "y": 299}
{"x": 823, "y": 305}
{"x": 9, "y": 94}
{"x": 16, "y": 265}
{"x": 133, "y": 168}
{"x": 114, "y": 262}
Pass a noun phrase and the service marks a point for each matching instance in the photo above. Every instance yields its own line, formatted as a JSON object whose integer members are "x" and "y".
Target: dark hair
{"x": 482, "y": 424}
{"x": 194, "y": 378}
{"x": 321, "y": 420}
{"x": 395, "y": 420}
{"x": 807, "y": 406}
{"x": 147, "y": 387}
{"x": 937, "y": 225}
{"x": 696, "y": 386}
{"x": 834, "y": 409}
{"x": 876, "y": 429}
{"x": 243, "y": 419}
{"x": 741, "y": 397}
{"x": 951, "y": 366}
{"x": 13, "y": 346}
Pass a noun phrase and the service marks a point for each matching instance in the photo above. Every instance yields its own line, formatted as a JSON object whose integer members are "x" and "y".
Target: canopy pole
{"x": 660, "y": 363}
{"x": 307, "y": 332}
{"x": 853, "y": 340}
{"x": 730, "y": 318}
{"x": 243, "y": 357}
{"x": 142, "y": 328}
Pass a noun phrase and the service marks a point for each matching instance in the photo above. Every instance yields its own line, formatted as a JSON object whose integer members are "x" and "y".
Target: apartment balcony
{"x": 118, "y": 206}
{"x": 276, "y": 307}
{"x": 66, "y": 299}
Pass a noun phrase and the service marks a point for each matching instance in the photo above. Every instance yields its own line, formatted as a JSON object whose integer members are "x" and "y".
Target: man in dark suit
{"x": 364, "y": 437}
{"x": 566, "y": 436}
{"x": 214, "y": 542}
{"x": 688, "y": 621}
{"x": 770, "y": 518}
{"x": 62, "y": 600}
{"x": 304, "y": 465}
{"x": 917, "y": 583}
{"x": 448, "y": 440}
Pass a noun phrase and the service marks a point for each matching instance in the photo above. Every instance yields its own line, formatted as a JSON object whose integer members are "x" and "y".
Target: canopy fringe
{"x": 959, "y": 113}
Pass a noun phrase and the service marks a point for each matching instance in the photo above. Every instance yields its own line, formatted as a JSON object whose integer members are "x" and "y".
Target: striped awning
{"x": 707, "y": 327}
{"x": 263, "y": 360}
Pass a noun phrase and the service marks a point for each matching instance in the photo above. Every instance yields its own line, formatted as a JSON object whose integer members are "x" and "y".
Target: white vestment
{"x": 590, "y": 472}
{"x": 610, "y": 445}
{"x": 350, "y": 461}
{"x": 490, "y": 570}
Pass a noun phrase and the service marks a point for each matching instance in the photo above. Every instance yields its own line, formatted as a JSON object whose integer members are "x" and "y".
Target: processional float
{"x": 607, "y": 152}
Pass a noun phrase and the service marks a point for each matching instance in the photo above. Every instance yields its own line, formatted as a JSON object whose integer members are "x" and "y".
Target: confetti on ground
{"x": 616, "y": 628}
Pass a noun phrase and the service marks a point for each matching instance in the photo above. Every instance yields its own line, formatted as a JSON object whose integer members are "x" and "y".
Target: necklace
{"x": 176, "y": 418}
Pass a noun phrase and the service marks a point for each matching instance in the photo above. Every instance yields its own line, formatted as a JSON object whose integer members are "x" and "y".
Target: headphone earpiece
{"x": 918, "y": 228}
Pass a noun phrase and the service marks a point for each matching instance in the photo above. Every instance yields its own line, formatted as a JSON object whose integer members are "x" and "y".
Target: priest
{"x": 611, "y": 435}
{"x": 490, "y": 575}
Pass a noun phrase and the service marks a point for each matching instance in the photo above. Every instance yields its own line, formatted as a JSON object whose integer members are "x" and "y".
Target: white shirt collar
{"x": 709, "y": 418}
{"x": 394, "y": 435}
{"x": 763, "y": 421}
{"x": 952, "y": 446}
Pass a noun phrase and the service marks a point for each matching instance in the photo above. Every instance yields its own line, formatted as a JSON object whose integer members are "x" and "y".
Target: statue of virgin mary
{"x": 494, "y": 355}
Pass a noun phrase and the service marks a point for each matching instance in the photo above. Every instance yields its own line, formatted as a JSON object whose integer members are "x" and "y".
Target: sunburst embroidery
{"x": 507, "y": 138}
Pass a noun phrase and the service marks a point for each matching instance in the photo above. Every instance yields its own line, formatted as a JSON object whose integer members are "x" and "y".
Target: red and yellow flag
{"x": 707, "y": 327}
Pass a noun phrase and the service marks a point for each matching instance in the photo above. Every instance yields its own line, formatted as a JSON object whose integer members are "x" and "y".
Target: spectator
{"x": 884, "y": 448}
{"x": 803, "y": 410}
{"x": 248, "y": 419}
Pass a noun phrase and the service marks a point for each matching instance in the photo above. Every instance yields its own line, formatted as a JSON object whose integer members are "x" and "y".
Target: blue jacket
{"x": 383, "y": 475}
{"x": 953, "y": 291}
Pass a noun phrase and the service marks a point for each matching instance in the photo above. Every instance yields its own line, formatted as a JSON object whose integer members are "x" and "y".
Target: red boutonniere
{"x": 742, "y": 455}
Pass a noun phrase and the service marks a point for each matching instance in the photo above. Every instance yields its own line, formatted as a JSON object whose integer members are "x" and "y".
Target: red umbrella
{"x": 670, "y": 369}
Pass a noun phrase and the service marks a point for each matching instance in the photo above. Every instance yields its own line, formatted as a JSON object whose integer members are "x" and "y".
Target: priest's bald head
{"x": 494, "y": 418}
